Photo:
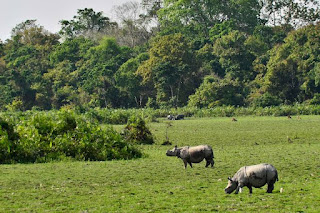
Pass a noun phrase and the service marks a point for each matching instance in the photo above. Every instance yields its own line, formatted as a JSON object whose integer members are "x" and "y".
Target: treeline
{"x": 167, "y": 54}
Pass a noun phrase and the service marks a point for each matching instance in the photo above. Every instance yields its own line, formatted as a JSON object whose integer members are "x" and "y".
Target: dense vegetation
{"x": 159, "y": 183}
{"x": 43, "y": 136}
{"x": 61, "y": 135}
{"x": 167, "y": 53}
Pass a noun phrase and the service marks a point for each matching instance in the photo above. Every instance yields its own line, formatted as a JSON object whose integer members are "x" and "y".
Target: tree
{"x": 291, "y": 12}
{"x": 215, "y": 91}
{"x": 98, "y": 70}
{"x": 152, "y": 7}
{"x": 234, "y": 56}
{"x": 135, "y": 28}
{"x": 29, "y": 32}
{"x": 208, "y": 62}
{"x": 197, "y": 17}
{"x": 87, "y": 23}
{"x": 293, "y": 68}
{"x": 129, "y": 82}
{"x": 5, "y": 89}
{"x": 26, "y": 58}
{"x": 1, "y": 49}
{"x": 72, "y": 50}
{"x": 63, "y": 78}
{"x": 169, "y": 68}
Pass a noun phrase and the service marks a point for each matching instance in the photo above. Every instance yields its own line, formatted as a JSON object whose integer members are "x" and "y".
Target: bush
{"x": 47, "y": 136}
{"x": 316, "y": 99}
{"x": 8, "y": 139}
{"x": 137, "y": 132}
{"x": 266, "y": 100}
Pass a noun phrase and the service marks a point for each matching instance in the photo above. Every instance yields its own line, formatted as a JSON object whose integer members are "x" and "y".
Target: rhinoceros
{"x": 170, "y": 117}
{"x": 179, "y": 117}
{"x": 253, "y": 176}
{"x": 193, "y": 154}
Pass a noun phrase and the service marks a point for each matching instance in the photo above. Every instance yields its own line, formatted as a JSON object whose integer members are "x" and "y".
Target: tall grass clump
{"x": 60, "y": 135}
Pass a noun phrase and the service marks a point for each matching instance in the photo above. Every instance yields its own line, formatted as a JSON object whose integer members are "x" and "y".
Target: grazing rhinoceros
{"x": 253, "y": 176}
{"x": 170, "y": 117}
{"x": 179, "y": 117}
{"x": 193, "y": 154}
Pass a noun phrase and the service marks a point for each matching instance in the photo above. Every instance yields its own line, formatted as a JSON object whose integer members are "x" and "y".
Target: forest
{"x": 167, "y": 54}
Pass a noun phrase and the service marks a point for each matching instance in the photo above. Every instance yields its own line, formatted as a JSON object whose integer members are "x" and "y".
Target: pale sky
{"x": 48, "y": 13}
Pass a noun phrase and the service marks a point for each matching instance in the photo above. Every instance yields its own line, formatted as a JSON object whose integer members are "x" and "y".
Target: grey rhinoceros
{"x": 253, "y": 176}
{"x": 193, "y": 154}
{"x": 178, "y": 117}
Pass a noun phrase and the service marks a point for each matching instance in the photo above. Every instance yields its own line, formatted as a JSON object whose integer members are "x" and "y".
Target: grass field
{"x": 157, "y": 183}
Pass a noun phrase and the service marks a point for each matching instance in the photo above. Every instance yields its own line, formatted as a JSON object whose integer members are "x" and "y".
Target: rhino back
{"x": 259, "y": 175}
{"x": 197, "y": 154}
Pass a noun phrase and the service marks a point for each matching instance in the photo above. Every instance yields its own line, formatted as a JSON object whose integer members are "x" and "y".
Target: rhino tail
{"x": 276, "y": 178}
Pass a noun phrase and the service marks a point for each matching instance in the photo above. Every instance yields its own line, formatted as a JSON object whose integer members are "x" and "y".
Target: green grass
{"x": 158, "y": 183}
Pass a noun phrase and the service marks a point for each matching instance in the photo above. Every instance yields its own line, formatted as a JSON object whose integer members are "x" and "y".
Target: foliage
{"x": 292, "y": 12}
{"x": 217, "y": 92}
{"x": 26, "y": 57}
{"x": 234, "y": 57}
{"x": 137, "y": 132}
{"x": 169, "y": 68}
{"x": 266, "y": 100}
{"x": 98, "y": 71}
{"x": 129, "y": 81}
{"x": 42, "y": 137}
{"x": 136, "y": 27}
{"x": 198, "y": 17}
{"x": 85, "y": 23}
{"x": 316, "y": 99}
{"x": 121, "y": 116}
{"x": 293, "y": 67}
{"x": 171, "y": 47}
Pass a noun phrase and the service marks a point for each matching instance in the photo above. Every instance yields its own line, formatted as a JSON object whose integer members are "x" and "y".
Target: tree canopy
{"x": 167, "y": 53}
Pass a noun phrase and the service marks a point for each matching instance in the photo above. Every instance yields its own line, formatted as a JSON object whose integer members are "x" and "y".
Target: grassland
{"x": 157, "y": 183}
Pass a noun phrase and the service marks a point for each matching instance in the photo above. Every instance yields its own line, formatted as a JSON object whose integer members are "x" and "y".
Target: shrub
{"x": 266, "y": 100}
{"x": 8, "y": 140}
{"x": 47, "y": 136}
{"x": 137, "y": 132}
{"x": 316, "y": 99}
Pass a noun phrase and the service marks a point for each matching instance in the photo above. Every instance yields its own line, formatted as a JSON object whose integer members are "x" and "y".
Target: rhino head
{"x": 232, "y": 185}
{"x": 173, "y": 152}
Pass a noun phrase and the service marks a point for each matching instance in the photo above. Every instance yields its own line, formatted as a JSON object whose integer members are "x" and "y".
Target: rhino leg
{"x": 270, "y": 187}
{"x": 209, "y": 161}
{"x": 212, "y": 162}
{"x": 271, "y": 184}
{"x": 239, "y": 188}
{"x": 185, "y": 163}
